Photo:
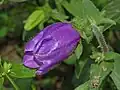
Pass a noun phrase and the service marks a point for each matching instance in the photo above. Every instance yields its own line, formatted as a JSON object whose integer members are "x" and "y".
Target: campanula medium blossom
{"x": 52, "y": 45}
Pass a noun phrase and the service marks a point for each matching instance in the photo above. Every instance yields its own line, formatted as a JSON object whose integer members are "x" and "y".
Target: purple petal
{"x": 29, "y": 62}
{"x": 49, "y": 29}
{"x": 30, "y": 46}
{"x": 55, "y": 57}
{"x": 45, "y": 68}
{"x": 65, "y": 34}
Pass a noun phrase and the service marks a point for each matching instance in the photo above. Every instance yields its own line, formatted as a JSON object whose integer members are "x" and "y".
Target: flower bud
{"x": 52, "y": 45}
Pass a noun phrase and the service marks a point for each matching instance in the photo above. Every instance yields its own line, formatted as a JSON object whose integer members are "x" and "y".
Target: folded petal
{"x": 29, "y": 62}
{"x": 44, "y": 68}
{"x": 30, "y": 45}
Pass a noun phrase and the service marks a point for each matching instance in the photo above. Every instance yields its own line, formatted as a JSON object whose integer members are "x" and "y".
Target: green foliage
{"x": 3, "y": 32}
{"x": 20, "y": 71}
{"x": 115, "y": 75}
{"x": 83, "y": 60}
{"x": 83, "y": 86}
{"x": 58, "y": 16}
{"x": 112, "y": 10}
{"x": 93, "y": 65}
{"x": 26, "y": 85}
{"x": 78, "y": 9}
{"x": 1, "y": 83}
{"x": 98, "y": 74}
{"x": 34, "y": 19}
{"x": 71, "y": 59}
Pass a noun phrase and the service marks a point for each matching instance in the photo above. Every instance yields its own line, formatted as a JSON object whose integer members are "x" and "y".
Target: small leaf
{"x": 71, "y": 59}
{"x": 108, "y": 21}
{"x": 34, "y": 19}
{"x": 20, "y": 71}
{"x": 111, "y": 56}
{"x": 58, "y": 16}
{"x": 83, "y": 86}
{"x": 79, "y": 50}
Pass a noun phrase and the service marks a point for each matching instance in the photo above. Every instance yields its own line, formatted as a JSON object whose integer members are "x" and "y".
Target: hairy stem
{"x": 100, "y": 38}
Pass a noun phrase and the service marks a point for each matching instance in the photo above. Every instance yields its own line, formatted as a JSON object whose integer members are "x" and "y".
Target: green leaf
{"x": 58, "y": 16}
{"x": 82, "y": 61}
{"x": 75, "y": 7}
{"x": 79, "y": 50}
{"x": 108, "y": 21}
{"x": 80, "y": 66}
{"x": 26, "y": 85}
{"x": 99, "y": 73}
{"x": 83, "y": 86}
{"x": 78, "y": 9}
{"x": 116, "y": 72}
{"x": 112, "y": 10}
{"x": 34, "y": 19}
{"x": 116, "y": 78}
{"x": 91, "y": 11}
{"x": 41, "y": 25}
{"x": 59, "y": 5}
{"x": 111, "y": 56}
{"x": 84, "y": 74}
{"x": 20, "y": 71}
{"x": 1, "y": 83}
{"x": 3, "y": 31}
{"x": 71, "y": 59}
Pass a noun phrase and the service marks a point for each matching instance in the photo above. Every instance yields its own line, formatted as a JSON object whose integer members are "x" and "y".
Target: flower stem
{"x": 12, "y": 82}
{"x": 100, "y": 38}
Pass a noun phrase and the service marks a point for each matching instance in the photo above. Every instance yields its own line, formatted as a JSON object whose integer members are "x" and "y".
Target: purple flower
{"x": 52, "y": 45}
